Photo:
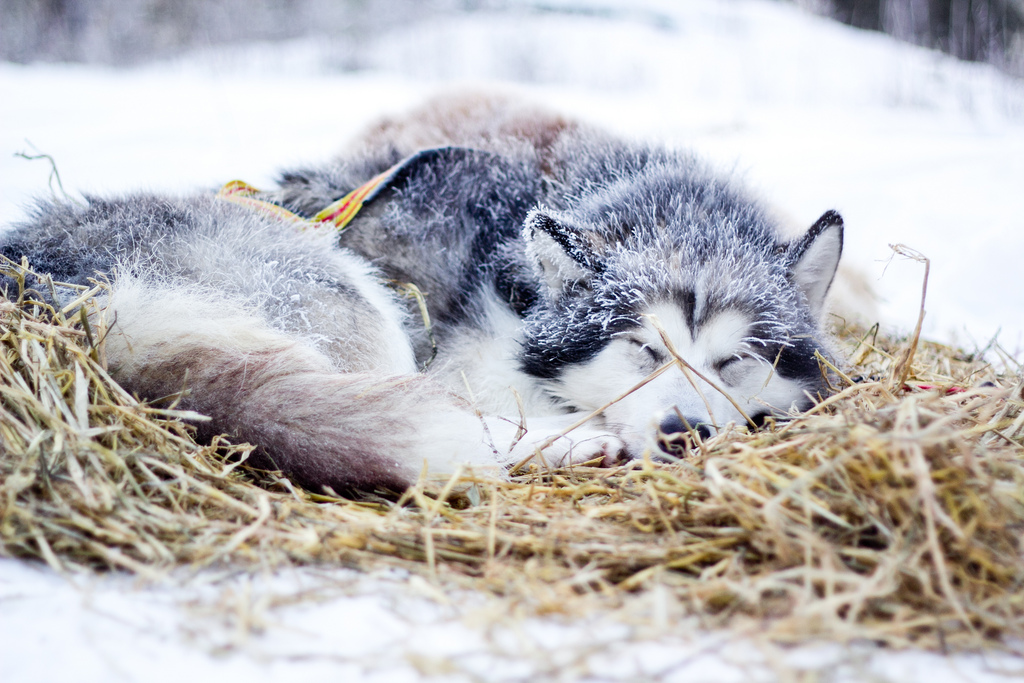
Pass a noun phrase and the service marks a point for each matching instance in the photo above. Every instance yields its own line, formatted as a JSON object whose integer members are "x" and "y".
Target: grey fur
{"x": 201, "y": 241}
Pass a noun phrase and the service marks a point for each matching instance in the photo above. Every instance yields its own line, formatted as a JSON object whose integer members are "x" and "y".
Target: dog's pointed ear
{"x": 813, "y": 259}
{"x": 562, "y": 253}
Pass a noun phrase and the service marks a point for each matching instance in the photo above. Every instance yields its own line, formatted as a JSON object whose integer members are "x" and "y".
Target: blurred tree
{"x": 860, "y": 13}
{"x": 977, "y": 30}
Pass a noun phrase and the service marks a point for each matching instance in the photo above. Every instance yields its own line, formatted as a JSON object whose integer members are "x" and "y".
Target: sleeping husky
{"x": 565, "y": 272}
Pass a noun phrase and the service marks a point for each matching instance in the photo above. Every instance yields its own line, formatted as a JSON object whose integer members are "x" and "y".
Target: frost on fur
{"x": 563, "y": 255}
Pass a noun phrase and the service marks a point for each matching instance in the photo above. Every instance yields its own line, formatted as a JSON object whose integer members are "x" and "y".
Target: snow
{"x": 342, "y": 625}
{"x": 909, "y": 145}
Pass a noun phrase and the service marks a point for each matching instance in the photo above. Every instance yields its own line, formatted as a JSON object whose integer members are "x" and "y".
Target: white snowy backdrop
{"x": 909, "y": 145}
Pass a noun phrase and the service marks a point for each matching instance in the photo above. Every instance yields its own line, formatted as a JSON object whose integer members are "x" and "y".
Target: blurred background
{"x": 124, "y": 32}
{"x": 905, "y": 115}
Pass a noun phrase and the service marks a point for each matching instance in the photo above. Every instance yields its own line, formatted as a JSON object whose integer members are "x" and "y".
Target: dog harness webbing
{"x": 340, "y": 213}
{"x": 243, "y": 193}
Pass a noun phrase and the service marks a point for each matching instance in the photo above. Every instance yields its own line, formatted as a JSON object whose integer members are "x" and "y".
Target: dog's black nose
{"x": 673, "y": 424}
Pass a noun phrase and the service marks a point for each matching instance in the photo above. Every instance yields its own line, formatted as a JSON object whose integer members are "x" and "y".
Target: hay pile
{"x": 892, "y": 511}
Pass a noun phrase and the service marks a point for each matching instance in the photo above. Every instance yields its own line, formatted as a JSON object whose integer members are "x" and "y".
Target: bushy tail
{"x": 320, "y": 427}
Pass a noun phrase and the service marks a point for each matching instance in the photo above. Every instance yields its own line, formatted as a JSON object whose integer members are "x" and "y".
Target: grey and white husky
{"x": 562, "y": 268}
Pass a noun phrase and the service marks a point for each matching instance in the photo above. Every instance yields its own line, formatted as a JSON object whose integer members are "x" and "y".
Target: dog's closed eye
{"x": 652, "y": 353}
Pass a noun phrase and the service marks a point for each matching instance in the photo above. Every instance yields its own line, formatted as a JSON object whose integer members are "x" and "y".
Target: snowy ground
{"x": 345, "y": 626}
{"x": 911, "y": 146}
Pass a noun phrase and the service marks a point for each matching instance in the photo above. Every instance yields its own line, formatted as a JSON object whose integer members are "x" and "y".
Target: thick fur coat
{"x": 562, "y": 267}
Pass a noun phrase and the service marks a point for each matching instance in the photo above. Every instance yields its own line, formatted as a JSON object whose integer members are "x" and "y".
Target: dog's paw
{"x": 583, "y": 445}
{"x": 544, "y": 440}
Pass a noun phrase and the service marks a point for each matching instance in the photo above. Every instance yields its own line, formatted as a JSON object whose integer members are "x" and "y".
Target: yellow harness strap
{"x": 339, "y": 214}
{"x": 242, "y": 193}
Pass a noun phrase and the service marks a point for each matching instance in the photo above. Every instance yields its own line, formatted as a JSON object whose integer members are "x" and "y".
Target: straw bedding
{"x": 894, "y": 510}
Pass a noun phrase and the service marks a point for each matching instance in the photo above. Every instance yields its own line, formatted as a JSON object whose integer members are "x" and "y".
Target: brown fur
{"x": 488, "y": 122}
{"x": 325, "y": 429}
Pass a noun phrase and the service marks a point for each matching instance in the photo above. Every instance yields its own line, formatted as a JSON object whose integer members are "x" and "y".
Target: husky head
{"x": 670, "y": 270}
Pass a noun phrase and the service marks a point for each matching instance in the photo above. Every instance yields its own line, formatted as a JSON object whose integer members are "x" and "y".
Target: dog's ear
{"x": 813, "y": 259}
{"x": 563, "y": 253}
